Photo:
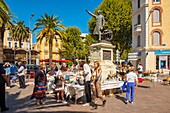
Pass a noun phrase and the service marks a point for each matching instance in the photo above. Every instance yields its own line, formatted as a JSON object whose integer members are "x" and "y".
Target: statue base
{"x": 103, "y": 52}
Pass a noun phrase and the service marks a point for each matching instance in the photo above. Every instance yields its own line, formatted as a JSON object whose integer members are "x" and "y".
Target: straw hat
{"x": 131, "y": 68}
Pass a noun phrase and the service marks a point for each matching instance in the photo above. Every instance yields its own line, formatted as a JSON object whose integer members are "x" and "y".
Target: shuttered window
{"x": 156, "y": 16}
{"x": 156, "y": 38}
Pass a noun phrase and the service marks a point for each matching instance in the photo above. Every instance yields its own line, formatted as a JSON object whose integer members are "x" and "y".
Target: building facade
{"x": 43, "y": 47}
{"x": 12, "y": 52}
{"x": 150, "y": 33}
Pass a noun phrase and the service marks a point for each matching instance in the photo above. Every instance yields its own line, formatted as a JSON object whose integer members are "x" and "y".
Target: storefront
{"x": 162, "y": 59}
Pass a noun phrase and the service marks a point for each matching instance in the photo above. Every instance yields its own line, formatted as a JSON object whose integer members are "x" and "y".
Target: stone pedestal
{"x": 103, "y": 52}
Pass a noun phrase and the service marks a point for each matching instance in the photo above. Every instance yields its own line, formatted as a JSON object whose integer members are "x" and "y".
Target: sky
{"x": 72, "y": 12}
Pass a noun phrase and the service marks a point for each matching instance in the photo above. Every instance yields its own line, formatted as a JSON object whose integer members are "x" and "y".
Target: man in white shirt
{"x": 87, "y": 76}
{"x": 140, "y": 69}
{"x": 132, "y": 80}
{"x": 21, "y": 74}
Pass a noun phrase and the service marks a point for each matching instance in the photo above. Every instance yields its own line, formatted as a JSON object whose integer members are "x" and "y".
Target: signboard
{"x": 106, "y": 55}
{"x": 95, "y": 56}
{"x": 162, "y": 52}
{"x": 133, "y": 56}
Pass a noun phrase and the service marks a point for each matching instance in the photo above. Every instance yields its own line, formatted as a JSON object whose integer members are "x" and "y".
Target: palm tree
{"x": 4, "y": 18}
{"x": 49, "y": 27}
{"x": 19, "y": 32}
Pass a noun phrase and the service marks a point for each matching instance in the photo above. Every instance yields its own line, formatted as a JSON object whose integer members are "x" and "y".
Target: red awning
{"x": 47, "y": 60}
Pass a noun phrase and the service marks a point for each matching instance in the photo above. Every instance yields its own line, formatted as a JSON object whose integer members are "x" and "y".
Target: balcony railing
{"x": 137, "y": 28}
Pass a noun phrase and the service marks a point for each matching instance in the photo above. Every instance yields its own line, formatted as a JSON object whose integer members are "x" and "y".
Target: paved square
{"x": 150, "y": 97}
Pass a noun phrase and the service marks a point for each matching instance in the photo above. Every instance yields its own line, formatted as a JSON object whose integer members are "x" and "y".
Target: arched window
{"x": 139, "y": 20}
{"x": 156, "y": 16}
{"x": 138, "y": 4}
{"x": 138, "y": 41}
{"x": 156, "y": 38}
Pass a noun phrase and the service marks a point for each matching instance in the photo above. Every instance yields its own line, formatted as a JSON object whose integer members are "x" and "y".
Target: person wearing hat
{"x": 132, "y": 81}
{"x": 8, "y": 72}
{"x": 21, "y": 74}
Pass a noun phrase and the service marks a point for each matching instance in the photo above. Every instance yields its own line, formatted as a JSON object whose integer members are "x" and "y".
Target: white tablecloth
{"x": 78, "y": 91}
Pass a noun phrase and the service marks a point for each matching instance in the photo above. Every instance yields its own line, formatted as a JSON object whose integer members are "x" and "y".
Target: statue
{"x": 99, "y": 23}
{"x": 99, "y": 29}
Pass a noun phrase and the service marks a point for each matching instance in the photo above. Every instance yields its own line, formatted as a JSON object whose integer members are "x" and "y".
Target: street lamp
{"x": 30, "y": 38}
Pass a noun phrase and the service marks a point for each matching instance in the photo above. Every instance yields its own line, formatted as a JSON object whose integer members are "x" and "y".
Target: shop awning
{"x": 47, "y": 60}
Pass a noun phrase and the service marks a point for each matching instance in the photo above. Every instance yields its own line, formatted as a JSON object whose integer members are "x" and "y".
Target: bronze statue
{"x": 99, "y": 23}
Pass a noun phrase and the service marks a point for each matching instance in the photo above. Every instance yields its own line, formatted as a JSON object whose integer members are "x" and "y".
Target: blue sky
{"x": 72, "y": 12}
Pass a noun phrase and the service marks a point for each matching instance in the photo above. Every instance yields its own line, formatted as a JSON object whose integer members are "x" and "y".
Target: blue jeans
{"x": 130, "y": 91}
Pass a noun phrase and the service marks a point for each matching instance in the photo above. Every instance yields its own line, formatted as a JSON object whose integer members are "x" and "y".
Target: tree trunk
{"x": 2, "y": 30}
{"x": 50, "y": 51}
{"x": 20, "y": 43}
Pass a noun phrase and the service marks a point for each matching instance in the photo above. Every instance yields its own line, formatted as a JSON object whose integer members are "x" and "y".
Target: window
{"x": 139, "y": 20}
{"x": 16, "y": 44}
{"x": 156, "y": 16}
{"x": 138, "y": 4}
{"x": 9, "y": 45}
{"x": 156, "y": 0}
{"x": 22, "y": 45}
{"x": 138, "y": 41}
{"x": 28, "y": 46}
{"x": 156, "y": 38}
{"x": 46, "y": 56}
{"x": 57, "y": 57}
{"x": 46, "y": 48}
{"x": 56, "y": 49}
{"x": 9, "y": 34}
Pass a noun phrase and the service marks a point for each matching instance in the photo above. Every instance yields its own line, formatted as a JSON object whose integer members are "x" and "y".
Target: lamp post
{"x": 30, "y": 38}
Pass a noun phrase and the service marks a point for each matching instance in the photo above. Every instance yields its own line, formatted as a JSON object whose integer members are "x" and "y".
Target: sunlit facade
{"x": 43, "y": 47}
{"x": 151, "y": 36}
{"x": 12, "y": 52}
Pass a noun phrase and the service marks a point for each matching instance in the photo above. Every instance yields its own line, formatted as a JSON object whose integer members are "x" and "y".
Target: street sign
{"x": 133, "y": 56}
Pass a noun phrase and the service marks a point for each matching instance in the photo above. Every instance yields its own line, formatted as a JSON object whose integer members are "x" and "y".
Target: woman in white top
{"x": 132, "y": 80}
{"x": 60, "y": 85}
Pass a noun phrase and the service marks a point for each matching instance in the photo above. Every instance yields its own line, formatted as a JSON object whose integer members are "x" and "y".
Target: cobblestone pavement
{"x": 149, "y": 98}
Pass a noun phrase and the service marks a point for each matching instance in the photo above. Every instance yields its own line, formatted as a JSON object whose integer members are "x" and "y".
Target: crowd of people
{"x": 53, "y": 80}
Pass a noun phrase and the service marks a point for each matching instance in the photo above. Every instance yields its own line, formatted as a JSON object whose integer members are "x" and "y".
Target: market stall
{"x": 78, "y": 90}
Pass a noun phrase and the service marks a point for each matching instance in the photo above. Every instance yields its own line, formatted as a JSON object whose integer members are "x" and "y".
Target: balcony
{"x": 137, "y": 28}
{"x": 9, "y": 38}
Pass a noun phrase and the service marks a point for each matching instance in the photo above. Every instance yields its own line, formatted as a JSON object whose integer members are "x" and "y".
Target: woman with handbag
{"x": 96, "y": 85}
{"x": 59, "y": 81}
{"x": 40, "y": 85}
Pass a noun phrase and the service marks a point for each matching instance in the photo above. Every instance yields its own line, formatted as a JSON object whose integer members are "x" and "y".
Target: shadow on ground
{"x": 17, "y": 104}
{"x": 57, "y": 112}
{"x": 142, "y": 86}
{"x": 123, "y": 99}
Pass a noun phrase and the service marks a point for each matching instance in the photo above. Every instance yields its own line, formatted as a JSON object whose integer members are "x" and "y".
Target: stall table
{"x": 78, "y": 90}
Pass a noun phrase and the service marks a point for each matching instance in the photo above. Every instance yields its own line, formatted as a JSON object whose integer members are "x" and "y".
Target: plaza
{"x": 150, "y": 97}
{"x": 62, "y": 59}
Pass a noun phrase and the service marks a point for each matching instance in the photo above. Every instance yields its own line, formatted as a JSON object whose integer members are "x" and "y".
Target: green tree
{"x": 4, "y": 18}
{"x": 19, "y": 32}
{"x": 118, "y": 14}
{"x": 72, "y": 45}
{"x": 87, "y": 42}
{"x": 49, "y": 27}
